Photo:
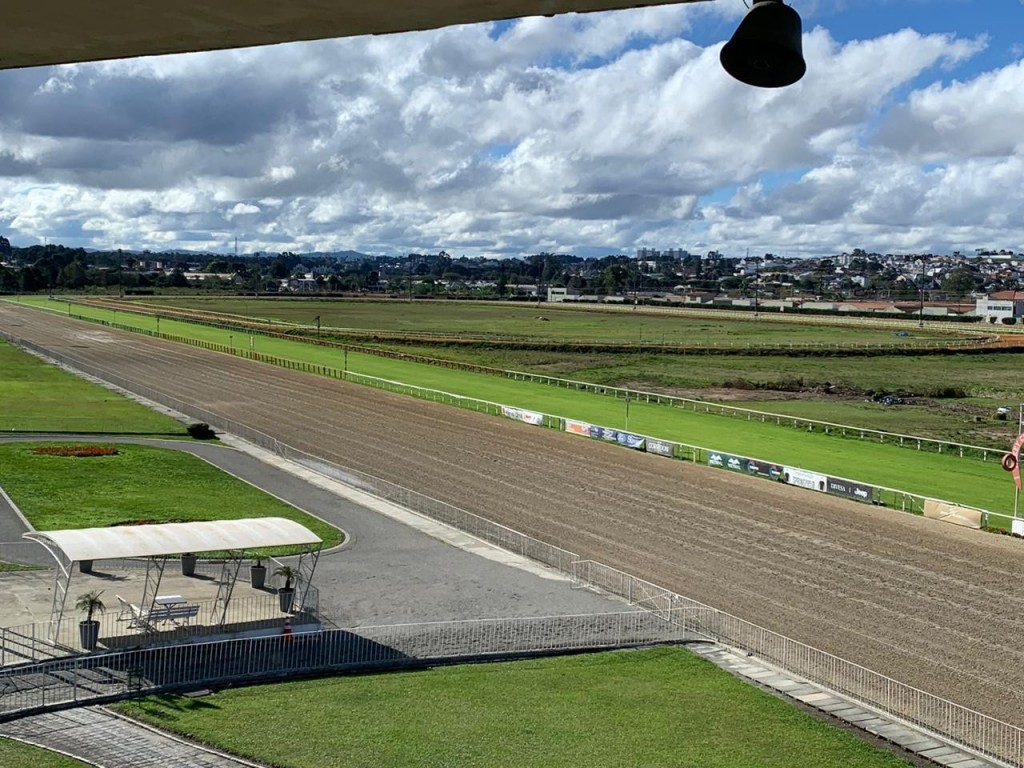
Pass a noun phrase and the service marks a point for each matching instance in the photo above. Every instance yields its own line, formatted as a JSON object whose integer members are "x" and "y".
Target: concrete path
{"x": 96, "y": 736}
{"x": 850, "y": 712}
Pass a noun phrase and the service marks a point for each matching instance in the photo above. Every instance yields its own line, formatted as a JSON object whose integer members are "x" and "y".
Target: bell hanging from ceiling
{"x": 766, "y": 50}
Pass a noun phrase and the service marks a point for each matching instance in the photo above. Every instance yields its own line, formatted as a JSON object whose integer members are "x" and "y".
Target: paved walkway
{"x": 95, "y": 736}
{"x": 850, "y": 712}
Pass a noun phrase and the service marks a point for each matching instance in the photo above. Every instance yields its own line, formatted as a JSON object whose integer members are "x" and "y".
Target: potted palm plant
{"x": 258, "y": 573}
{"x": 89, "y": 628}
{"x": 287, "y": 592}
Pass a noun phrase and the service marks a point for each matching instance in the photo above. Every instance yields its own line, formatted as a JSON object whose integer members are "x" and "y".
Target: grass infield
{"x": 141, "y": 484}
{"x": 36, "y": 397}
{"x": 661, "y": 707}
{"x": 962, "y": 480}
{"x": 15, "y": 754}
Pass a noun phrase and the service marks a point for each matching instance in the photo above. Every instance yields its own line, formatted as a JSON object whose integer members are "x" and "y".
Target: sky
{"x": 590, "y": 134}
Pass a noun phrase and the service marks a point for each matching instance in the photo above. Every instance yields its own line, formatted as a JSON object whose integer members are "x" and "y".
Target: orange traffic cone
{"x": 286, "y": 631}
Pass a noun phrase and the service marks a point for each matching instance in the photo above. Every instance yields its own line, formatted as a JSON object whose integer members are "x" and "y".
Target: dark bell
{"x": 766, "y": 50}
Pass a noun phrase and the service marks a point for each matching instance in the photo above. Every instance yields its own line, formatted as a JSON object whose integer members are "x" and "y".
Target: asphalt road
{"x": 926, "y": 603}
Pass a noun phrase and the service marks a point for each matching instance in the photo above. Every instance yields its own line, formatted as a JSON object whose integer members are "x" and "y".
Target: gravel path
{"x": 927, "y": 603}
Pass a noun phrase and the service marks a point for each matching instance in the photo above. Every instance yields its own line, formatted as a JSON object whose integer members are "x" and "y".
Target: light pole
{"x": 344, "y": 367}
{"x": 318, "y": 327}
{"x": 158, "y": 325}
{"x": 627, "y": 411}
{"x": 920, "y": 288}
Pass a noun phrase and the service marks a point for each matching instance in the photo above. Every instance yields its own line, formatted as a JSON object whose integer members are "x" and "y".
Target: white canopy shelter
{"x": 156, "y": 542}
{"x": 174, "y": 538}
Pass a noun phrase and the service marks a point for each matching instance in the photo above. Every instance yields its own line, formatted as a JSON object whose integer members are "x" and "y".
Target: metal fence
{"x": 961, "y": 725}
{"x": 110, "y": 676}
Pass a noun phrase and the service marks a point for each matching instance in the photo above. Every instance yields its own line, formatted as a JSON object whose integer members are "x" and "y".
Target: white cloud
{"x": 599, "y": 131}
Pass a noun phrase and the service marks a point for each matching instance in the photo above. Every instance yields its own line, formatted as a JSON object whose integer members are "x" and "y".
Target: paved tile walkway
{"x": 846, "y": 710}
{"x": 96, "y": 736}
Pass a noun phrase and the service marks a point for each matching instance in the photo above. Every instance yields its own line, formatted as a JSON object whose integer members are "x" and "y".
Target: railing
{"x": 945, "y": 718}
{"x": 110, "y": 676}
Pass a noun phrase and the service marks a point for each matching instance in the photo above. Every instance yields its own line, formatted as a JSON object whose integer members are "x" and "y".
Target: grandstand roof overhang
{"x": 162, "y": 539}
{"x": 39, "y": 32}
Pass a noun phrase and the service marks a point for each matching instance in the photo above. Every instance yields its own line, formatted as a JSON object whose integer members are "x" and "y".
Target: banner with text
{"x": 951, "y": 513}
{"x": 660, "y": 447}
{"x": 850, "y": 489}
{"x": 577, "y": 427}
{"x": 630, "y": 440}
{"x": 520, "y": 415}
{"x": 804, "y": 479}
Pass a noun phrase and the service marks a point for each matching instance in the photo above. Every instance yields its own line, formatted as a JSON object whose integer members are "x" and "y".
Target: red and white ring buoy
{"x": 1009, "y": 462}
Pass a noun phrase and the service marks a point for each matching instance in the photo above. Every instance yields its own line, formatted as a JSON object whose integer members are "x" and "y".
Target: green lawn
{"x": 37, "y": 397}
{"x": 141, "y": 483}
{"x": 14, "y": 754}
{"x": 662, "y": 707}
{"x": 967, "y": 481}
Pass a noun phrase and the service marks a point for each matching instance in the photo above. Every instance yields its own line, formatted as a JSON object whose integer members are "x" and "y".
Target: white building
{"x": 1001, "y": 307}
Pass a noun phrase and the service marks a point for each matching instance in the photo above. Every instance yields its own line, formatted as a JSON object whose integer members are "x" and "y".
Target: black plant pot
{"x": 89, "y": 634}
{"x": 188, "y": 565}
{"x": 285, "y": 597}
{"x": 257, "y": 576}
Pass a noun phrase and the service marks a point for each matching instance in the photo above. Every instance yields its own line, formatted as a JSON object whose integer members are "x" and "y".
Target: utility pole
{"x": 920, "y": 287}
{"x": 757, "y": 282}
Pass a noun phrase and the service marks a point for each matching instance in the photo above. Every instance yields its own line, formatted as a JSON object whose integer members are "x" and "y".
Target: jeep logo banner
{"x": 850, "y": 489}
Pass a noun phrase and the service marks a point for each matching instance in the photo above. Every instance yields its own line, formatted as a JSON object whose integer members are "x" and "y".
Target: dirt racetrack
{"x": 927, "y": 603}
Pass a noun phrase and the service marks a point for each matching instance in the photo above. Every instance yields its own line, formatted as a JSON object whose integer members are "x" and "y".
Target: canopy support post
{"x": 228, "y": 576}
{"x": 306, "y": 566}
{"x": 154, "y": 574}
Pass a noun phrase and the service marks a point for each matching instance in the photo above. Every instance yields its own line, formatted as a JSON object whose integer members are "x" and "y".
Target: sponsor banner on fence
{"x": 604, "y": 433}
{"x": 1018, "y": 526}
{"x": 660, "y": 447}
{"x": 950, "y": 513}
{"x": 520, "y": 415}
{"x": 726, "y": 461}
{"x": 804, "y": 479}
{"x": 763, "y": 469}
{"x": 577, "y": 427}
{"x": 630, "y": 440}
{"x": 850, "y": 489}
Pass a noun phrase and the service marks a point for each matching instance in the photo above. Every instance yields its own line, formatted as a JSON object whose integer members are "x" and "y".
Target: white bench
{"x": 177, "y": 613}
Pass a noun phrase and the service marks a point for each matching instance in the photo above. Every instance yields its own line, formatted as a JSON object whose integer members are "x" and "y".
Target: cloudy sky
{"x": 587, "y": 134}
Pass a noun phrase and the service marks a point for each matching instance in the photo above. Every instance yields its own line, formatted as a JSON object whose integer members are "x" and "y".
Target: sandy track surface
{"x": 926, "y": 603}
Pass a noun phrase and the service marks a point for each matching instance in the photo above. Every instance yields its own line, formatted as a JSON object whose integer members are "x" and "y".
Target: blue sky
{"x": 590, "y": 134}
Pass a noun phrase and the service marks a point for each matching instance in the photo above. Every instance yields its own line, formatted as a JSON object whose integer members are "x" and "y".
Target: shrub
{"x": 77, "y": 451}
{"x": 201, "y": 431}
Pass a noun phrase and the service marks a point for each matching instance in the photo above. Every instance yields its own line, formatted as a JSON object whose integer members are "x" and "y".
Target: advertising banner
{"x": 660, "y": 447}
{"x": 577, "y": 427}
{"x": 804, "y": 479}
{"x": 850, "y": 489}
{"x": 604, "y": 433}
{"x": 763, "y": 469}
{"x": 520, "y": 415}
{"x": 950, "y": 513}
{"x": 726, "y": 461}
{"x": 631, "y": 441}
